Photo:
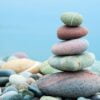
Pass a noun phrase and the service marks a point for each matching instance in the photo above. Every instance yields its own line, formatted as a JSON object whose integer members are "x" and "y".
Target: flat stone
{"x": 66, "y": 33}
{"x": 70, "y": 47}
{"x": 72, "y": 63}
{"x": 70, "y": 84}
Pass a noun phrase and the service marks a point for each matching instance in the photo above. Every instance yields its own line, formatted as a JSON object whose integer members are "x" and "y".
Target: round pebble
{"x": 6, "y": 72}
{"x": 50, "y": 98}
{"x": 71, "y": 47}
{"x": 66, "y": 33}
{"x": 71, "y": 19}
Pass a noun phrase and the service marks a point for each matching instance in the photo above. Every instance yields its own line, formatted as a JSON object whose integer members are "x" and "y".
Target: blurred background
{"x": 30, "y": 25}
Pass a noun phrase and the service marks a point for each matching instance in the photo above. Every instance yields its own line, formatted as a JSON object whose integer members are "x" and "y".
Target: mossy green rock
{"x": 71, "y": 19}
{"x": 50, "y": 98}
{"x": 72, "y": 63}
{"x": 47, "y": 69}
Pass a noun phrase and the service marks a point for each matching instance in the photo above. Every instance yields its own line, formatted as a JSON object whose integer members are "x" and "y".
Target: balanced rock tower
{"x": 71, "y": 57}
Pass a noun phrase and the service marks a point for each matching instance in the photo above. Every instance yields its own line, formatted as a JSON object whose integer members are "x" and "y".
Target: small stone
{"x": 19, "y": 81}
{"x": 28, "y": 97}
{"x": 30, "y": 80}
{"x": 70, "y": 47}
{"x": 18, "y": 65}
{"x": 6, "y": 72}
{"x": 50, "y": 98}
{"x": 3, "y": 81}
{"x": 47, "y": 69}
{"x": 11, "y": 95}
{"x": 26, "y": 74}
{"x": 66, "y": 33}
{"x": 71, "y": 19}
{"x": 34, "y": 88}
{"x": 82, "y": 98}
{"x": 70, "y": 84}
{"x": 72, "y": 63}
{"x": 10, "y": 88}
{"x": 96, "y": 97}
{"x": 36, "y": 76}
{"x": 25, "y": 92}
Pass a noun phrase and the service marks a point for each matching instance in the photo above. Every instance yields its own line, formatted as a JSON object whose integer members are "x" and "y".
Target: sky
{"x": 31, "y": 25}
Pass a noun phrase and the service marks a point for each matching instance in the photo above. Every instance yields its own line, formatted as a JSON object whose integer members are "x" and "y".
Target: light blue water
{"x": 30, "y": 25}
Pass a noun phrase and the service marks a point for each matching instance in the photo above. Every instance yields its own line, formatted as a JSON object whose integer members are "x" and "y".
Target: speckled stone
{"x": 50, "y": 98}
{"x": 72, "y": 63}
{"x": 71, "y": 47}
{"x": 70, "y": 84}
{"x": 66, "y": 33}
{"x": 71, "y": 18}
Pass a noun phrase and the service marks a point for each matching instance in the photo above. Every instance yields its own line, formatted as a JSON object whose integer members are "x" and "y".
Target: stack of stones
{"x": 72, "y": 59}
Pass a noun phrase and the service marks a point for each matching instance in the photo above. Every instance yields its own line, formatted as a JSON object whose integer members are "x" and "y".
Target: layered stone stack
{"x": 71, "y": 58}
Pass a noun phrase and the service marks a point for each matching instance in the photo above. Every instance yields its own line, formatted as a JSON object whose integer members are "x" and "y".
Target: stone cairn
{"x": 71, "y": 57}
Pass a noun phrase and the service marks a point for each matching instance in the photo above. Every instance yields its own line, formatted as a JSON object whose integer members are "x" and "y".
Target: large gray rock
{"x": 70, "y": 84}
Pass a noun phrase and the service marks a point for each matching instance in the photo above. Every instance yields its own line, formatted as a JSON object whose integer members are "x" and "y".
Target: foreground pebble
{"x": 19, "y": 81}
{"x": 71, "y": 19}
{"x": 50, "y": 98}
{"x": 72, "y": 63}
{"x": 6, "y": 72}
{"x": 11, "y": 95}
{"x": 70, "y": 84}
{"x": 71, "y": 47}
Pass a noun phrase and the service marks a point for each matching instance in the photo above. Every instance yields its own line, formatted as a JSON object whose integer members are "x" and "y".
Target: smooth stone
{"x": 47, "y": 69}
{"x": 6, "y": 72}
{"x": 70, "y": 84}
{"x": 50, "y": 98}
{"x": 36, "y": 76}
{"x": 82, "y": 98}
{"x": 34, "y": 88}
{"x": 11, "y": 95}
{"x": 71, "y": 19}
{"x": 18, "y": 65}
{"x": 35, "y": 68}
{"x": 95, "y": 68}
{"x": 30, "y": 81}
{"x": 72, "y": 63}
{"x": 26, "y": 74}
{"x": 10, "y": 88}
{"x": 3, "y": 81}
{"x": 70, "y": 47}
{"x": 96, "y": 97}
{"x": 28, "y": 97}
{"x": 19, "y": 81}
{"x": 66, "y": 33}
{"x": 25, "y": 92}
